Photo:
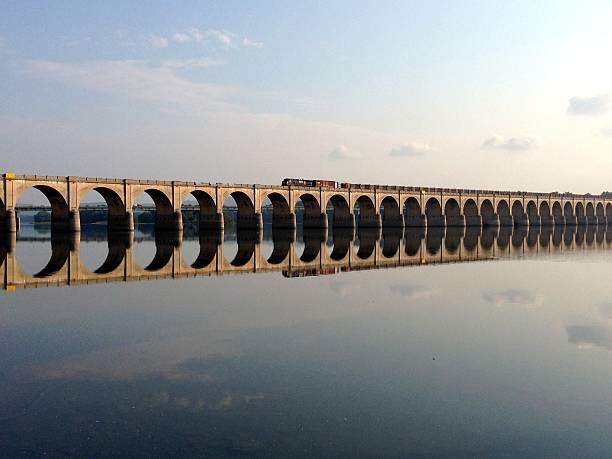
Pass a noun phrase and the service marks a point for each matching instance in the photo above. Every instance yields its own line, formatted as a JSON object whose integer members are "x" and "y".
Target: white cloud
{"x": 196, "y": 63}
{"x": 222, "y": 37}
{"x": 181, "y": 38}
{"x": 411, "y": 149}
{"x": 520, "y": 143}
{"x": 513, "y": 297}
{"x": 158, "y": 42}
{"x": 342, "y": 152}
{"x": 590, "y": 106}
{"x": 251, "y": 44}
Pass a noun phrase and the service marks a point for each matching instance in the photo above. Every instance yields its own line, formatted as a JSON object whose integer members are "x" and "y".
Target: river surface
{"x": 487, "y": 356}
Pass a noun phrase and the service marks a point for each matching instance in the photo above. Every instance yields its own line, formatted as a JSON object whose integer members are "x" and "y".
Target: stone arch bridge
{"x": 362, "y": 206}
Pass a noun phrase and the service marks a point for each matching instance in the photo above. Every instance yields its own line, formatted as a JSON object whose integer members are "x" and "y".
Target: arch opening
{"x": 413, "y": 215}
{"x": 308, "y": 212}
{"x": 154, "y": 207}
{"x": 199, "y": 210}
{"x": 281, "y": 215}
{"x": 503, "y": 212}
{"x": 487, "y": 213}
{"x": 470, "y": 212}
{"x": 545, "y": 215}
{"x": 452, "y": 213}
{"x": 49, "y": 208}
{"x": 239, "y": 211}
{"x": 390, "y": 213}
{"x": 532, "y": 213}
{"x": 518, "y": 213}
{"x": 365, "y": 213}
{"x": 339, "y": 212}
{"x": 433, "y": 213}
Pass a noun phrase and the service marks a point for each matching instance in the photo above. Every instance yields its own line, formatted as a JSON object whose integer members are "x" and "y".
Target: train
{"x": 325, "y": 183}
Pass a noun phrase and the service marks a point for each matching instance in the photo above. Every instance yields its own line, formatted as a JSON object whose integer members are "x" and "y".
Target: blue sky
{"x": 511, "y": 95}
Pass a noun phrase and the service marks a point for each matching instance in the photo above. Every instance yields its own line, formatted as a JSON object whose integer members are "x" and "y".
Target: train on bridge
{"x": 327, "y": 184}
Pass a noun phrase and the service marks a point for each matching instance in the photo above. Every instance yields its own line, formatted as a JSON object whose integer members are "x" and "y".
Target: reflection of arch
{"x": 60, "y": 252}
{"x": 533, "y": 234}
{"x": 452, "y": 239}
{"x": 568, "y": 235}
{"x": 365, "y": 212}
{"x": 367, "y": 243}
{"x": 412, "y": 212}
{"x": 503, "y": 237}
{"x": 390, "y": 212}
{"x": 518, "y": 236}
{"x": 117, "y": 247}
{"x": 487, "y": 237}
{"x": 433, "y": 240}
{"x": 579, "y": 237}
{"x": 209, "y": 247}
{"x": 342, "y": 217}
{"x": 470, "y": 239}
{"x": 282, "y": 240}
{"x": 412, "y": 241}
{"x": 557, "y": 235}
{"x": 246, "y": 240}
{"x": 342, "y": 243}
{"x": 164, "y": 249}
{"x": 391, "y": 241}
{"x": 312, "y": 244}
{"x": 545, "y": 234}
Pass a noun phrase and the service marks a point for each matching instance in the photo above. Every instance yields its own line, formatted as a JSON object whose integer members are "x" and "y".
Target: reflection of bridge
{"x": 386, "y": 206}
{"x": 371, "y": 249}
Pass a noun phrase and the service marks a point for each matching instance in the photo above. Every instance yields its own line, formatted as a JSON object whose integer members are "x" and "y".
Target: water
{"x": 478, "y": 346}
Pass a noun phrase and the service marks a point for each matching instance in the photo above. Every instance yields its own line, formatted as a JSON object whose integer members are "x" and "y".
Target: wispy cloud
{"x": 133, "y": 80}
{"x": 220, "y": 38}
{"x": 520, "y": 143}
{"x": 158, "y": 42}
{"x": 251, "y": 44}
{"x": 196, "y": 63}
{"x": 606, "y": 132}
{"x": 342, "y": 152}
{"x": 590, "y": 106}
{"x": 513, "y": 297}
{"x": 411, "y": 149}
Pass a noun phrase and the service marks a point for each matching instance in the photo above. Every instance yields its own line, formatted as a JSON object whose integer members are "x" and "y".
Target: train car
{"x": 309, "y": 183}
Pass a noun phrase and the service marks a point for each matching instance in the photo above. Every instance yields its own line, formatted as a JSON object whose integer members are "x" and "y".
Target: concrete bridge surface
{"x": 314, "y": 255}
{"x": 360, "y": 205}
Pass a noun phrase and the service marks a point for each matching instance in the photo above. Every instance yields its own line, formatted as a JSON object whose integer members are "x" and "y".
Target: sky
{"x": 505, "y": 95}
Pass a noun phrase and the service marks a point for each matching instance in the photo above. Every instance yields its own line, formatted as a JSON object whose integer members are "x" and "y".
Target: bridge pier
{"x": 11, "y": 221}
{"x": 393, "y": 222}
{"x": 121, "y": 223}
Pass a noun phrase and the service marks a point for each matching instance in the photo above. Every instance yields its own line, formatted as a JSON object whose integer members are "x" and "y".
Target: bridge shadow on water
{"x": 295, "y": 253}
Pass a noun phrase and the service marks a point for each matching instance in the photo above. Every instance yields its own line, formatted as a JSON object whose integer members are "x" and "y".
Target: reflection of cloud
{"x": 411, "y": 292}
{"x": 343, "y": 288}
{"x": 589, "y": 106}
{"x": 513, "y": 297}
{"x": 520, "y": 143}
{"x": 411, "y": 149}
{"x": 343, "y": 152}
{"x": 585, "y": 336}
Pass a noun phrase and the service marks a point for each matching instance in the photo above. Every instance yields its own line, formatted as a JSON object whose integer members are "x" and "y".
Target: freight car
{"x": 310, "y": 183}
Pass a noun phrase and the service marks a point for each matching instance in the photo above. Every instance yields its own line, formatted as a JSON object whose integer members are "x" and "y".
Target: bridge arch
{"x": 609, "y": 213}
{"x": 557, "y": 212}
{"x": 580, "y": 212}
{"x": 164, "y": 211}
{"x": 340, "y": 211}
{"x": 452, "y": 208}
{"x": 390, "y": 212}
{"x": 245, "y": 216}
{"x": 545, "y": 211}
{"x": 433, "y": 212}
{"x": 365, "y": 211}
{"x": 116, "y": 215}
{"x": 590, "y": 211}
{"x": 310, "y": 214}
{"x": 413, "y": 214}
{"x": 503, "y": 212}
{"x": 568, "y": 210}
{"x": 518, "y": 212}
{"x": 470, "y": 209}
{"x": 487, "y": 212}
{"x": 281, "y": 212}
{"x": 532, "y": 212}
{"x": 207, "y": 215}
{"x": 60, "y": 212}
{"x": 600, "y": 212}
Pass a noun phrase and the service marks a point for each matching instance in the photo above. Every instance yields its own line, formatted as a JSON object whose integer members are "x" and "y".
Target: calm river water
{"x": 506, "y": 351}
